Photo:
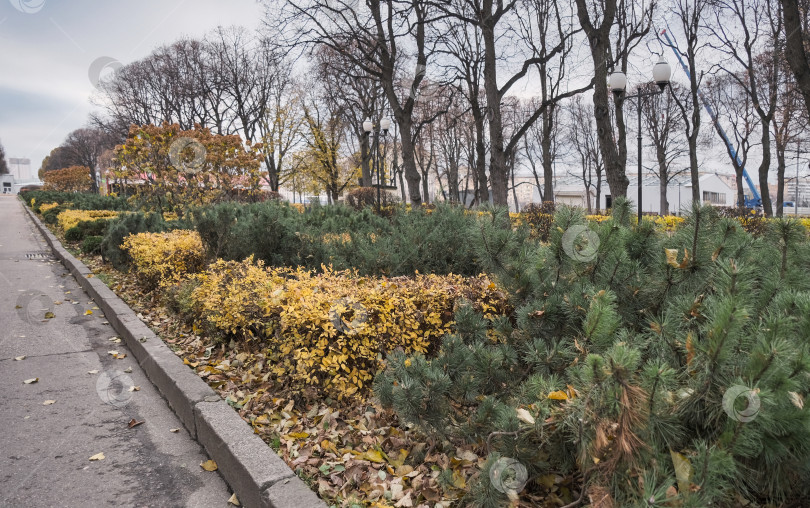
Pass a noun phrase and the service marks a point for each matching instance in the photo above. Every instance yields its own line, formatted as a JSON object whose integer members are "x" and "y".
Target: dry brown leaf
{"x": 233, "y": 500}
{"x": 98, "y": 456}
{"x": 133, "y": 423}
{"x": 209, "y": 465}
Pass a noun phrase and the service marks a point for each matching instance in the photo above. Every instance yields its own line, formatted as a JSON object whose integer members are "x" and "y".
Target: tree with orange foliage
{"x": 71, "y": 179}
{"x": 171, "y": 169}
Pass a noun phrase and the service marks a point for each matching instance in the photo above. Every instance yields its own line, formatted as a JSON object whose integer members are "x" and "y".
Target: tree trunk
{"x": 764, "y": 168}
{"x": 780, "y": 180}
{"x": 599, "y": 42}
{"x": 740, "y": 194}
{"x": 545, "y": 146}
{"x": 662, "y": 180}
{"x": 795, "y": 49}
{"x": 497, "y": 167}
{"x": 409, "y": 160}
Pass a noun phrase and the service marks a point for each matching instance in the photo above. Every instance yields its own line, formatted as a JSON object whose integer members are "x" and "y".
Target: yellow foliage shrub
{"x": 669, "y": 222}
{"x": 332, "y": 330}
{"x": 70, "y": 218}
{"x": 46, "y": 206}
{"x": 164, "y": 258}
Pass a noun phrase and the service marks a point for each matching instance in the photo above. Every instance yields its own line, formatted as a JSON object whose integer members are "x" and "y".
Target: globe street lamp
{"x": 368, "y": 127}
{"x": 617, "y": 82}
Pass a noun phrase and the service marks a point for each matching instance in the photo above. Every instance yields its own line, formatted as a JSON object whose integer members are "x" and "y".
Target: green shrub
{"x": 86, "y": 228}
{"x": 74, "y": 234}
{"x": 92, "y": 244}
{"x": 50, "y": 215}
{"x": 120, "y": 228}
{"x": 78, "y": 200}
{"x": 636, "y": 365}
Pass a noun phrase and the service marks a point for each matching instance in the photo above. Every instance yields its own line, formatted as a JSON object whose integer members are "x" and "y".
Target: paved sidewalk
{"x": 45, "y": 449}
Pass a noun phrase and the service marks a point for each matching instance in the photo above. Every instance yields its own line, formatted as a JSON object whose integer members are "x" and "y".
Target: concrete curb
{"x": 258, "y": 476}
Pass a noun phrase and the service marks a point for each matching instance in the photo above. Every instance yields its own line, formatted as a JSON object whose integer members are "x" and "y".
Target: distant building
{"x": 19, "y": 176}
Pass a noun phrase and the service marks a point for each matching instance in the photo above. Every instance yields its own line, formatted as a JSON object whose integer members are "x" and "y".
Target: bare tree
{"x": 512, "y": 28}
{"x": 690, "y": 15}
{"x": 733, "y": 107}
{"x": 787, "y": 124}
{"x": 748, "y": 32}
{"x": 630, "y": 22}
{"x": 583, "y": 139}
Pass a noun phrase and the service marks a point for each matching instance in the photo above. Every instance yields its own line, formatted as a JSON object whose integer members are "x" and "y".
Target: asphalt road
{"x": 45, "y": 449}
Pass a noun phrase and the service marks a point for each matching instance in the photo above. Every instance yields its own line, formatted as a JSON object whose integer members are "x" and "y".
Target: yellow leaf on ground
{"x": 372, "y": 456}
{"x": 558, "y": 395}
{"x": 232, "y": 500}
{"x": 134, "y": 388}
{"x": 19, "y": 358}
{"x": 298, "y": 435}
{"x": 209, "y": 465}
{"x": 49, "y": 402}
{"x": 88, "y": 312}
{"x": 32, "y": 380}
{"x": 49, "y": 315}
{"x": 98, "y": 456}
{"x": 683, "y": 470}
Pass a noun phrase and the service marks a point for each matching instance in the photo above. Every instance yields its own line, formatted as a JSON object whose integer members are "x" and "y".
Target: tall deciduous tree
{"x": 690, "y": 16}
{"x": 748, "y": 33}
{"x": 795, "y": 13}
{"x": 3, "y": 163}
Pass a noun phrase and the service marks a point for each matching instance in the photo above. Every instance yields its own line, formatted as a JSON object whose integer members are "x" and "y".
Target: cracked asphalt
{"x": 45, "y": 449}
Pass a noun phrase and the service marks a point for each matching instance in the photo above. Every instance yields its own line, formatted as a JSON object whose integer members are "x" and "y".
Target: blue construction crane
{"x": 756, "y": 200}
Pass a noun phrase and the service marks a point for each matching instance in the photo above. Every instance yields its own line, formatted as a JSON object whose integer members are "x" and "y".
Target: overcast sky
{"x": 47, "y": 49}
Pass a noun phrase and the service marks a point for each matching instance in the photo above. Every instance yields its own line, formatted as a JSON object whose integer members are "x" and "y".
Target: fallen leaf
{"x": 558, "y": 395}
{"x": 232, "y": 500}
{"x": 525, "y": 416}
{"x": 683, "y": 470}
{"x": 94, "y": 371}
{"x": 49, "y": 315}
{"x": 18, "y": 307}
{"x": 209, "y": 465}
{"x": 88, "y": 312}
{"x": 19, "y": 358}
{"x": 98, "y": 456}
{"x": 128, "y": 370}
{"x": 134, "y": 388}
{"x": 112, "y": 352}
{"x": 174, "y": 430}
{"x": 32, "y": 380}
{"x": 120, "y": 357}
{"x": 133, "y": 423}
{"x": 48, "y": 402}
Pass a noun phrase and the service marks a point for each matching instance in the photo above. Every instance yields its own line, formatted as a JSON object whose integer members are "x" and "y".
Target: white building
{"x": 19, "y": 176}
{"x": 714, "y": 191}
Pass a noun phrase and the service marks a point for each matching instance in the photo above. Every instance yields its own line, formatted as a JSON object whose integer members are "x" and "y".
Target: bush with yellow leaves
{"x": 332, "y": 330}
{"x": 165, "y": 258}
{"x": 46, "y": 206}
{"x": 69, "y": 218}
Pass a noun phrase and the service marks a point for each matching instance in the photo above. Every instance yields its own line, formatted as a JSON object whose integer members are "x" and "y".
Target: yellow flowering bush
{"x": 70, "y": 218}
{"x": 46, "y": 206}
{"x": 332, "y": 330}
{"x": 669, "y": 222}
{"x": 165, "y": 258}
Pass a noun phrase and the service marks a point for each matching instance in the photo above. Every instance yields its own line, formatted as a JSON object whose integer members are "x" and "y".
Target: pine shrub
{"x": 639, "y": 369}
{"x": 123, "y": 226}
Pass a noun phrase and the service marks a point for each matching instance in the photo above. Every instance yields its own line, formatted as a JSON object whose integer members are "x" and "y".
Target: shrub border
{"x": 258, "y": 476}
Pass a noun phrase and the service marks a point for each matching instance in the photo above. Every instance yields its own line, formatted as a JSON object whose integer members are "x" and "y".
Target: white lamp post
{"x": 368, "y": 127}
{"x": 617, "y": 81}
